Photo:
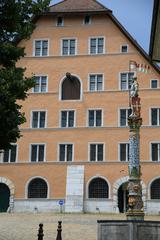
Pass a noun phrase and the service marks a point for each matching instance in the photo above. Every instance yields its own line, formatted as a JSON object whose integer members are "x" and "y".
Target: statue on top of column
{"x": 134, "y": 100}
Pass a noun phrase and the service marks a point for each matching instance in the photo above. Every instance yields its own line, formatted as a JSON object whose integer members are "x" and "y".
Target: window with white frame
{"x": 10, "y": 155}
{"x": 67, "y": 119}
{"x": 96, "y": 152}
{"x": 68, "y": 47}
{"x": 60, "y": 21}
{"x": 87, "y": 20}
{"x": 94, "y": 118}
{"x": 41, "y": 48}
{"x": 95, "y": 82}
{"x": 40, "y": 84}
{"x": 37, "y": 152}
{"x": 97, "y": 45}
{"x": 66, "y": 152}
{"x": 124, "y": 152}
{"x": 38, "y": 119}
{"x": 126, "y": 80}
{"x": 155, "y": 151}
{"x": 155, "y": 116}
{"x": 124, "y": 114}
{"x": 124, "y": 49}
{"x": 154, "y": 83}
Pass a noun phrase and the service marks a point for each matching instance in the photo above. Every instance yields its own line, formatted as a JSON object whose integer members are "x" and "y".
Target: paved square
{"x": 74, "y": 226}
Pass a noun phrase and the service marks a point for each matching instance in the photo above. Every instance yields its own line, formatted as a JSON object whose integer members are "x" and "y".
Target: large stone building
{"x": 74, "y": 152}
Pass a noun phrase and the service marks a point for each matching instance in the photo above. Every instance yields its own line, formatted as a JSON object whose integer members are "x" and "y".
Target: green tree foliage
{"x": 16, "y": 23}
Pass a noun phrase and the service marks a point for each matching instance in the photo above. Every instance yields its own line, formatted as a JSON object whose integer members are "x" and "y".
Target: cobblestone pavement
{"x": 74, "y": 226}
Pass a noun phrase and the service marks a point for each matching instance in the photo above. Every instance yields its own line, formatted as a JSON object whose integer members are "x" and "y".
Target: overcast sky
{"x": 134, "y": 15}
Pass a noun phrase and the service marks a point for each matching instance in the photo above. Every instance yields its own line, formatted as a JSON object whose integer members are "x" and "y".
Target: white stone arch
{"x": 117, "y": 185}
{"x": 11, "y": 187}
{"x": 98, "y": 176}
{"x": 32, "y": 178}
{"x": 149, "y": 186}
{"x": 60, "y": 87}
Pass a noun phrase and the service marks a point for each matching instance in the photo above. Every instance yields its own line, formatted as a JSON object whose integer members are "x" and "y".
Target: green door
{"x": 4, "y": 197}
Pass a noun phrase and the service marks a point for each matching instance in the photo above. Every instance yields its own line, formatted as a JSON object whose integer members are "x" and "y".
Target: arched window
{"x": 37, "y": 188}
{"x": 71, "y": 88}
{"x": 155, "y": 189}
{"x": 98, "y": 188}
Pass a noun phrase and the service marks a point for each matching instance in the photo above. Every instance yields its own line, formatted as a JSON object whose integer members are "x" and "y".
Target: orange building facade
{"x": 73, "y": 155}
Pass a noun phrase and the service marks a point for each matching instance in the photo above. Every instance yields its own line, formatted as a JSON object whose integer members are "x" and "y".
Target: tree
{"x": 16, "y": 23}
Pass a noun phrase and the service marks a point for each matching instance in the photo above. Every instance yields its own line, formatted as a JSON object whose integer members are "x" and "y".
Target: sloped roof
{"x": 78, "y": 6}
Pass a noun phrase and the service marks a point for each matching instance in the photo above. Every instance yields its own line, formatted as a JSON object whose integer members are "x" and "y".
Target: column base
{"x": 135, "y": 215}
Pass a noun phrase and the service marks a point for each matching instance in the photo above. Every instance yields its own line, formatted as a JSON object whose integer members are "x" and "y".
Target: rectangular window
{"x": 96, "y": 152}
{"x": 97, "y": 45}
{"x": 126, "y": 80}
{"x": 41, "y": 48}
{"x": 155, "y": 116}
{"x": 96, "y": 82}
{"x": 124, "y": 114}
{"x": 124, "y": 152}
{"x": 154, "y": 83}
{"x": 67, "y": 119}
{"x": 10, "y": 155}
{"x": 40, "y": 84}
{"x": 37, "y": 152}
{"x": 38, "y": 119}
{"x": 65, "y": 152}
{"x": 60, "y": 21}
{"x": 95, "y": 118}
{"x": 155, "y": 150}
{"x": 68, "y": 47}
{"x": 124, "y": 49}
{"x": 87, "y": 20}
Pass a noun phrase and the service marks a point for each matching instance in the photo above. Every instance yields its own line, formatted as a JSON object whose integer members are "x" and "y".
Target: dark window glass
{"x": 37, "y": 48}
{"x": 44, "y": 48}
{"x": 100, "y": 45}
{"x": 41, "y": 153}
{"x": 124, "y": 152}
{"x": 37, "y": 153}
{"x": 69, "y": 152}
{"x": 155, "y": 151}
{"x": 71, "y": 119}
{"x": 42, "y": 119}
{"x": 154, "y": 84}
{"x": 62, "y": 152}
{"x": 10, "y": 154}
{"x": 65, "y": 153}
{"x": 154, "y": 116}
{"x": 100, "y": 152}
{"x": 64, "y": 119}
{"x": 123, "y": 117}
{"x": 98, "y": 188}
{"x": 34, "y": 150}
{"x": 93, "y": 152}
{"x": 37, "y": 188}
{"x": 87, "y": 19}
{"x": 124, "y": 49}
{"x": 93, "y": 46}
{"x": 91, "y": 118}
{"x": 34, "y": 119}
{"x": 60, "y": 21}
{"x": 155, "y": 189}
{"x": 6, "y": 156}
{"x": 98, "y": 118}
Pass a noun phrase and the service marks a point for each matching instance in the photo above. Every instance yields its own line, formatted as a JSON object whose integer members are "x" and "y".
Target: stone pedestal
{"x": 128, "y": 230}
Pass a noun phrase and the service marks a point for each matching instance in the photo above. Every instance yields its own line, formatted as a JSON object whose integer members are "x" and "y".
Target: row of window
{"x": 69, "y": 47}
{"x": 60, "y": 21}
{"x": 97, "y": 188}
{"x": 95, "y": 84}
{"x": 96, "y": 152}
{"x": 95, "y": 118}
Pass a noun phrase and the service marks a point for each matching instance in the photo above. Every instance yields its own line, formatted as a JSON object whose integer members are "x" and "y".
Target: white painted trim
{"x": 89, "y": 74}
{"x": 119, "y": 152}
{"x": 42, "y": 75}
{"x": 58, "y": 151}
{"x": 102, "y": 117}
{"x": 60, "y": 117}
{"x": 154, "y": 142}
{"x": 30, "y": 147}
{"x": 104, "y": 150}
{"x": 81, "y": 89}
{"x": 40, "y": 39}
{"x": 28, "y": 182}
{"x": 124, "y": 46}
{"x": 98, "y": 176}
{"x": 89, "y": 45}
{"x": 38, "y": 110}
{"x": 150, "y": 114}
{"x": 76, "y": 46}
{"x": 153, "y": 80}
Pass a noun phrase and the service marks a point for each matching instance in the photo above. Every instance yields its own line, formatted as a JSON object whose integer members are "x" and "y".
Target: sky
{"x": 134, "y": 15}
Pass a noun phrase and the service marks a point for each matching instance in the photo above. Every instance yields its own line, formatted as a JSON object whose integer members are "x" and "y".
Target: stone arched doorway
{"x": 4, "y": 197}
{"x": 123, "y": 198}
{"x": 7, "y": 191}
{"x": 116, "y": 187}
